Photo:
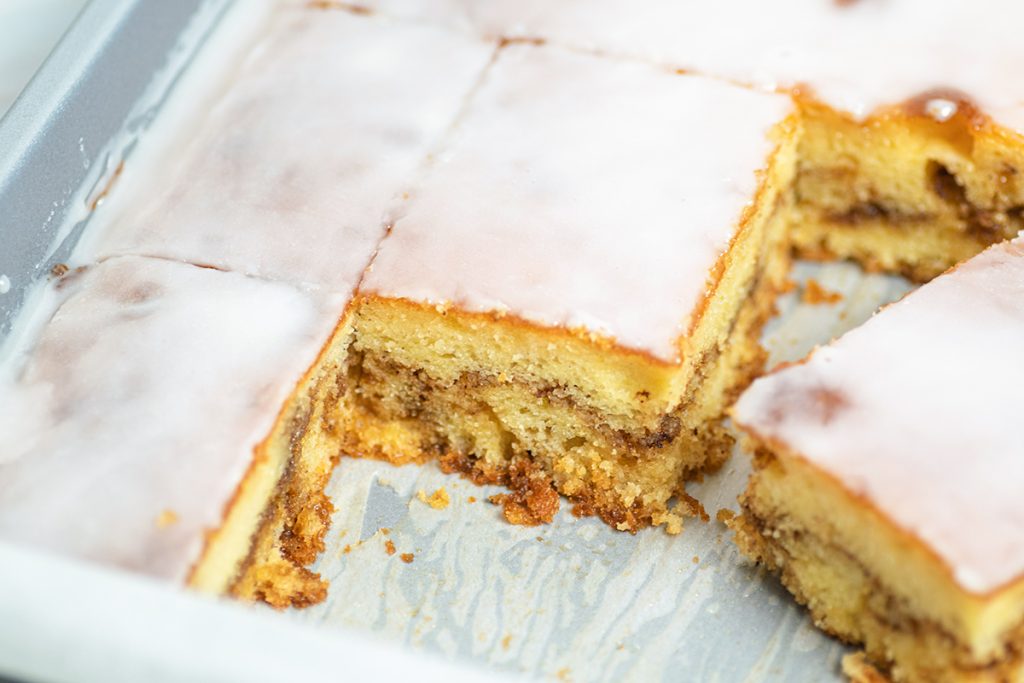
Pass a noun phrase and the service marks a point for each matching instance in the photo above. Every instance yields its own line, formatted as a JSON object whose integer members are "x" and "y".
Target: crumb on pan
{"x": 166, "y": 518}
{"x": 438, "y": 500}
{"x": 815, "y": 294}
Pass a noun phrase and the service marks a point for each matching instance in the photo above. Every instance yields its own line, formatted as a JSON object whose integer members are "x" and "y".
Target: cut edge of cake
{"x": 870, "y": 583}
{"x": 274, "y": 525}
{"x": 913, "y": 189}
{"x": 875, "y": 566}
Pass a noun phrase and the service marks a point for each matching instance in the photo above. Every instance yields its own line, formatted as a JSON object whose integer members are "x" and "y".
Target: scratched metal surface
{"x": 575, "y": 600}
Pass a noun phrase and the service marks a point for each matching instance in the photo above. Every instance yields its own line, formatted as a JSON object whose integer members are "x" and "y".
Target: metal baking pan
{"x": 572, "y": 600}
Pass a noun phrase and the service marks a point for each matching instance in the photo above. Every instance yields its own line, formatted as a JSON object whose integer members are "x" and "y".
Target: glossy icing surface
{"x": 917, "y": 411}
{"x": 129, "y": 422}
{"x": 856, "y": 56}
{"x": 288, "y": 173}
{"x": 607, "y": 217}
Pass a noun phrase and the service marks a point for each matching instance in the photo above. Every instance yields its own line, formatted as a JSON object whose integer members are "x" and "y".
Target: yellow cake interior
{"x": 869, "y": 583}
{"x": 902, "y": 192}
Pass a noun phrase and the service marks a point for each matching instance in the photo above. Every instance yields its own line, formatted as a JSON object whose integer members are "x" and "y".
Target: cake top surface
{"x": 284, "y": 167}
{"x": 857, "y": 55}
{"x": 916, "y": 412}
{"x": 127, "y": 423}
{"x": 582, "y": 192}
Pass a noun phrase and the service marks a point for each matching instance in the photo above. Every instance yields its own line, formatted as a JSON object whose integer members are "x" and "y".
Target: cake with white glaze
{"x": 564, "y": 224}
{"x": 887, "y": 485}
{"x": 504, "y": 308}
{"x": 129, "y": 427}
{"x": 911, "y": 112}
{"x": 287, "y": 172}
{"x": 261, "y": 178}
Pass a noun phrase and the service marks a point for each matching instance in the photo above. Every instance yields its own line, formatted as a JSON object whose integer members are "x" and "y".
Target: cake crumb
{"x": 389, "y": 547}
{"x": 696, "y": 560}
{"x": 346, "y": 550}
{"x": 407, "y": 557}
{"x": 166, "y": 518}
{"x": 693, "y": 508}
{"x": 725, "y": 515}
{"x": 533, "y": 499}
{"x": 564, "y": 674}
{"x": 471, "y": 499}
{"x": 386, "y": 531}
{"x": 860, "y": 670}
{"x": 787, "y": 286}
{"x": 506, "y": 641}
{"x": 438, "y": 500}
{"x": 672, "y": 521}
{"x": 816, "y": 294}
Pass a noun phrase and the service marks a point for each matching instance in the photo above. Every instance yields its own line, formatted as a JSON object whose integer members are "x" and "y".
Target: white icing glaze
{"x": 581, "y": 191}
{"x": 146, "y": 392}
{"x": 917, "y": 411}
{"x": 289, "y": 171}
{"x": 857, "y": 56}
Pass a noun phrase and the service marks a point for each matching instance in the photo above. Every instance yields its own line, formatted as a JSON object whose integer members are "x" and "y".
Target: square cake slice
{"x": 571, "y": 292}
{"x": 141, "y": 423}
{"x": 888, "y": 475}
{"x": 278, "y": 158}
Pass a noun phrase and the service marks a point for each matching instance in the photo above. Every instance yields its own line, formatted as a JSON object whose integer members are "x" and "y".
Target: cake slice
{"x": 152, "y": 411}
{"x": 911, "y": 158}
{"x": 571, "y": 293}
{"x": 283, "y": 165}
{"x": 888, "y": 474}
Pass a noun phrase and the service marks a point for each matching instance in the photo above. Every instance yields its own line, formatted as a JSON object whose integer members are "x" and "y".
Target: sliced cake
{"x": 900, "y": 166}
{"x": 571, "y": 293}
{"x": 152, "y": 410}
{"x": 268, "y": 163}
{"x": 888, "y": 474}
{"x": 285, "y": 166}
